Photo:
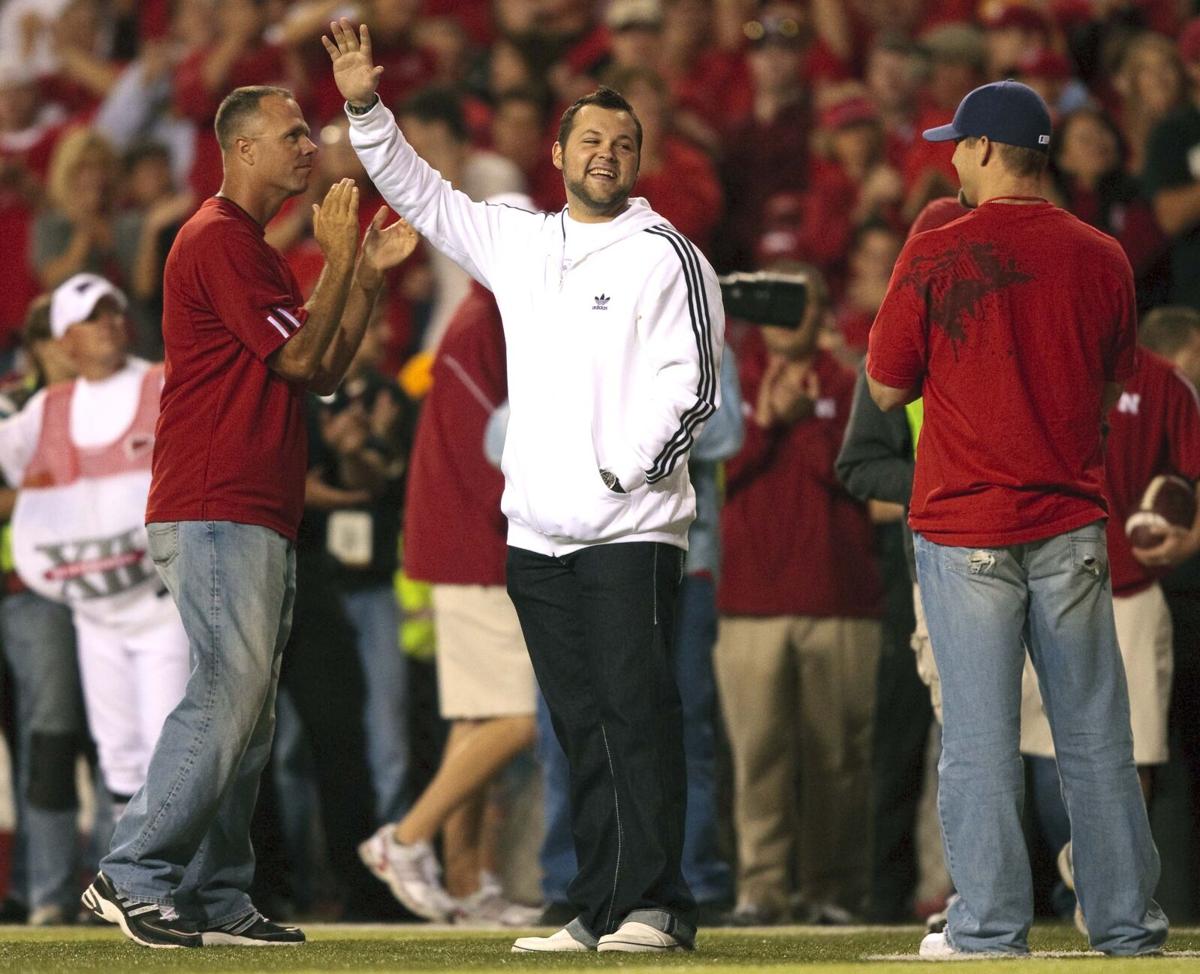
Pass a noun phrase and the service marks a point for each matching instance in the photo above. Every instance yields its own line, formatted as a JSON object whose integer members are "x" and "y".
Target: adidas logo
{"x": 601, "y": 302}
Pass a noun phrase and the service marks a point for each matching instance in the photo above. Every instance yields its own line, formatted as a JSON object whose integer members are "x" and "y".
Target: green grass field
{"x": 399, "y": 948}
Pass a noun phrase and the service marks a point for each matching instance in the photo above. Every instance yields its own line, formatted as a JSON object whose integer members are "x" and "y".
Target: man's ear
{"x": 986, "y": 155}
{"x": 244, "y": 149}
{"x": 556, "y": 155}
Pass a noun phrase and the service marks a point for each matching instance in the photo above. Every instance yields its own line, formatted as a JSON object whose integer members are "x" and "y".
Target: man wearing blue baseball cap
{"x": 1016, "y": 322}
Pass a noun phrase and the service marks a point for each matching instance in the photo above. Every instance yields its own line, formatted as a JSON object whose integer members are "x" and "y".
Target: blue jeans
{"x": 39, "y": 644}
{"x": 184, "y": 840}
{"x": 984, "y": 607}
{"x": 376, "y": 618}
{"x": 708, "y": 875}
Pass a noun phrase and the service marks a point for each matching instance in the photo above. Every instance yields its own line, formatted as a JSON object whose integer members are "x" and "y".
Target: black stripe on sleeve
{"x": 681, "y": 441}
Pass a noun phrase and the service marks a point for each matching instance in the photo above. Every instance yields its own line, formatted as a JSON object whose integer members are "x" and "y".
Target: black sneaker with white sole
{"x": 254, "y": 930}
{"x": 144, "y": 923}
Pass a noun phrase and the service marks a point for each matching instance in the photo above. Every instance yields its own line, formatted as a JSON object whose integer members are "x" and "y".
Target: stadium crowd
{"x": 781, "y": 135}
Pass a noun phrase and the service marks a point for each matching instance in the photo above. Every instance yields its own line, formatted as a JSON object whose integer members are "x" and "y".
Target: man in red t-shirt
{"x": 1016, "y": 324}
{"x": 799, "y": 638}
{"x": 1153, "y": 429}
{"x": 242, "y": 351}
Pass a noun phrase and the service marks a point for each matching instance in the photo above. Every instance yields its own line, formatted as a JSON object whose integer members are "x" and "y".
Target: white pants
{"x": 133, "y": 675}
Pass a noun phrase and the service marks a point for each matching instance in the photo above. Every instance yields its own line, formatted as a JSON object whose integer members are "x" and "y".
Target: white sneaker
{"x": 633, "y": 936}
{"x": 487, "y": 907}
{"x": 935, "y": 946}
{"x": 560, "y": 942}
{"x": 412, "y": 873}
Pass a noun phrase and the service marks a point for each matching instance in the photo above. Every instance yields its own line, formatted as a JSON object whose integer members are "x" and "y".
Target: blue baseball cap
{"x": 1004, "y": 111}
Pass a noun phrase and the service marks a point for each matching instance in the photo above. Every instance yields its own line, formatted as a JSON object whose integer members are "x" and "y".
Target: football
{"x": 1167, "y": 501}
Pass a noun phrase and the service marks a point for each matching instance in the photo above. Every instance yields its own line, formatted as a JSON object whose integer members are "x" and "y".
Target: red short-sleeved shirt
{"x": 454, "y": 531}
{"x": 1154, "y": 428}
{"x": 1010, "y": 319}
{"x": 231, "y": 442}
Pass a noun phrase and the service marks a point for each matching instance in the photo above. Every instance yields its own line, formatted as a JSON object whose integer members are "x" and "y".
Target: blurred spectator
{"x": 37, "y": 640}
{"x": 957, "y": 58}
{"x": 677, "y": 178}
{"x": 81, "y": 40}
{"x": 80, "y": 452}
{"x": 851, "y": 175}
{"x": 407, "y": 66}
{"x": 710, "y": 85}
{"x": 446, "y": 41}
{"x": 367, "y": 430}
{"x": 1151, "y": 83}
{"x": 847, "y": 29}
{"x": 1172, "y": 177}
{"x": 893, "y": 78}
{"x": 26, "y": 34}
{"x": 767, "y": 152}
{"x": 30, "y": 123}
{"x": 144, "y": 231}
{"x": 874, "y": 247}
{"x": 519, "y": 133}
{"x": 433, "y": 122}
{"x": 76, "y": 232}
{"x": 1013, "y": 30}
{"x": 1174, "y": 333}
{"x": 1088, "y": 174}
{"x": 1051, "y": 75}
{"x": 635, "y": 33}
{"x": 236, "y": 54}
{"x": 29, "y": 129}
{"x": 850, "y": 181}
{"x": 798, "y": 643}
{"x": 565, "y": 41}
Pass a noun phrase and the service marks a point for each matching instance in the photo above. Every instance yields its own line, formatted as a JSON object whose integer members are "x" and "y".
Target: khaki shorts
{"x": 482, "y": 664}
{"x": 1145, "y": 635}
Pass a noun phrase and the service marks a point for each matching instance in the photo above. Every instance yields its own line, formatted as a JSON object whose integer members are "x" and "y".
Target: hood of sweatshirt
{"x": 579, "y": 240}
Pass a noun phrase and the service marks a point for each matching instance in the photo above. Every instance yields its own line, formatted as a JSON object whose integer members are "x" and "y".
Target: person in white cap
{"x": 79, "y": 453}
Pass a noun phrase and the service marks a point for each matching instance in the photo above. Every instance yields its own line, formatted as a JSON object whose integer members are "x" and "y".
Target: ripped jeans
{"x": 984, "y": 608}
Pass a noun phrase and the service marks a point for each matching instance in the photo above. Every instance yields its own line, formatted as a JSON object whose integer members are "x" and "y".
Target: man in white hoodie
{"x": 613, "y": 325}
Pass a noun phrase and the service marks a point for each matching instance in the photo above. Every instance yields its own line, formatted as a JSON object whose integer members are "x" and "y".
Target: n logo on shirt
{"x": 1129, "y": 402}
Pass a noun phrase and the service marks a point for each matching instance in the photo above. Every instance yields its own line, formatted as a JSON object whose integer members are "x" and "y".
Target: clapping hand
{"x": 335, "y": 223}
{"x": 385, "y": 247}
{"x": 354, "y": 70}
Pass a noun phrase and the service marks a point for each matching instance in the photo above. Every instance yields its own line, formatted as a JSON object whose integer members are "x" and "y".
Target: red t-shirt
{"x": 1010, "y": 319}
{"x": 793, "y": 541}
{"x": 1154, "y": 428}
{"x": 454, "y": 532}
{"x": 231, "y": 443}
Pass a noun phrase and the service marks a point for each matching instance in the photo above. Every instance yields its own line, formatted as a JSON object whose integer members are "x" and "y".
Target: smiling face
{"x": 97, "y": 344}
{"x": 599, "y": 162}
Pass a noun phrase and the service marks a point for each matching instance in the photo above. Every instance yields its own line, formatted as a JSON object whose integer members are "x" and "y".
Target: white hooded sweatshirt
{"x": 614, "y": 334}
